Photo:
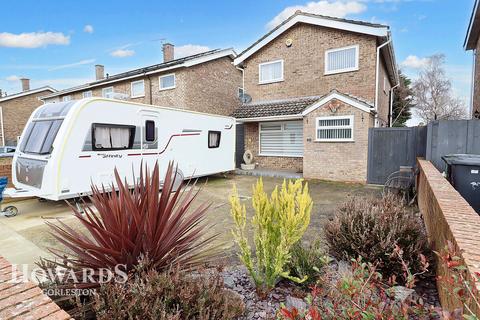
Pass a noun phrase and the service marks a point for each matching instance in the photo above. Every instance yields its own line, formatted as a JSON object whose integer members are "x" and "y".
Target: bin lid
{"x": 462, "y": 159}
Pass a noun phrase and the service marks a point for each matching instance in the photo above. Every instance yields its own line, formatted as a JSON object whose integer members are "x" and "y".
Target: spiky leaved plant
{"x": 278, "y": 223}
{"x": 135, "y": 223}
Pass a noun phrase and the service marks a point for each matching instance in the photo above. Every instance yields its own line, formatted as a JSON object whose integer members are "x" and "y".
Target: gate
{"x": 239, "y": 144}
{"x": 390, "y": 148}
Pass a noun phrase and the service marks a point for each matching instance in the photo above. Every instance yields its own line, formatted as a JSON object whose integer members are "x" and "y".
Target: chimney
{"x": 99, "y": 72}
{"x": 25, "y": 84}
{"x": 168, "y": 52}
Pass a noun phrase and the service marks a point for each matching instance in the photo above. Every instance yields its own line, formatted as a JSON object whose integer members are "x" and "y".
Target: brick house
{"x": 472, "y": 43}
{"x": 206, "y": 82}
{"x": 15, "y": 109}
{"x": 317, "y": 84}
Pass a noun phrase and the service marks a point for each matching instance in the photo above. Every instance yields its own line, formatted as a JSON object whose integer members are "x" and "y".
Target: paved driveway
{"x": 24, "y": 238}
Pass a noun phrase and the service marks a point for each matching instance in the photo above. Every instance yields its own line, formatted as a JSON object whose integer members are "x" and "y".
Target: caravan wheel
{"x": 10, "y": 211}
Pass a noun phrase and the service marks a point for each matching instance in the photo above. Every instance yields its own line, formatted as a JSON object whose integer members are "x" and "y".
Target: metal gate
{"x": 390, "y": 148}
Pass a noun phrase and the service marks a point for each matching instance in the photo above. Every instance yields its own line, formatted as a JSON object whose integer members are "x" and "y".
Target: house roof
{"x": 378, "y": 30}
{"x": 473, "y": 31}
{"x": 156, "y": 68}
{"x": 26, "y": 93}
{"x": 295, "y": 107}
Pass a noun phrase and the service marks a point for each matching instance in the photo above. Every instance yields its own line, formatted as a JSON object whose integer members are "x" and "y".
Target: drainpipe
{"x": 391, "y": 102}
{"x": 1, "y": 123}
{"x": 472, "y": 85}
{"x": 243, "y": 77}
{"x": 376, "y": 77}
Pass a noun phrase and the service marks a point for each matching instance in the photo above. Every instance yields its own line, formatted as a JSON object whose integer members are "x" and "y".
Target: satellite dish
{"x": 245, "y": 98}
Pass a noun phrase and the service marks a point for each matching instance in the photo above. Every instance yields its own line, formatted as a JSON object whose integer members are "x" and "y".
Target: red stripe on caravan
{"x": 169, "y": 140}
{"x": 84, "y": 156}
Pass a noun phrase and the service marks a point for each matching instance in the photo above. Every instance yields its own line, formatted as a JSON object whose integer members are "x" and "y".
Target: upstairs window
{"x": 269, "y": 72}
{"x": 67, "y": 98}
{"x": 112, "y": 137}
{"x": 137, "y": 89}
{"x": 214, "y": 139}
{"x": 341, "y": 60}
{"x": 335, "y": 129}
{"x": 87, "y": 94}
{"x": 167, "y": 81}
{"x": 107, "y": 92}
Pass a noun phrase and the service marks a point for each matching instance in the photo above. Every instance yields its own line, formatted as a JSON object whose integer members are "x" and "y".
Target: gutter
{"x": 377, "y": 71}
{"x": 472, "y": 84}
{"x": 271, "y": 118}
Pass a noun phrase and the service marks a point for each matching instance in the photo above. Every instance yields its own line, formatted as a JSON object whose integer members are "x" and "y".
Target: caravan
{"x": 65, "y": 147}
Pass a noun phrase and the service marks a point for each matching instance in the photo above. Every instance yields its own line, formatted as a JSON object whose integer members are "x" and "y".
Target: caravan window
{"x": 112, "y": 137}
{"x": 149, "y": 130}
{"x": 40, "y": 136}
{"x": 214, "y": 139}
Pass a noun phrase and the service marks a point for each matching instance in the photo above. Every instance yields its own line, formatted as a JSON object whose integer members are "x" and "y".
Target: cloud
{"x": 33, "y": 39}
{"x": 414, "y": 62}
{"x": 88, "y": 28}
{"x": 189, "y": 49}
{"x": 333, "y": 8}
{"x": 12, "y": 78}
{"x": 72, "y": 65}
{"x": 122, "y": 53}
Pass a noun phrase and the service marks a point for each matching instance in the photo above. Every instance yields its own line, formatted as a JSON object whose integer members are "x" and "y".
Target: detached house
{"x": 15, "y": 110}
{"x": 205, "y": 82}
{"x": 472, "y": 42}
{"x": 317, "y": 84}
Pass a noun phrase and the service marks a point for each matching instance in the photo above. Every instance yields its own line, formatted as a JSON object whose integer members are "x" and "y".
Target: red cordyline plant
{"x": 457, "y": 284}
{"x": 134, "y": 223}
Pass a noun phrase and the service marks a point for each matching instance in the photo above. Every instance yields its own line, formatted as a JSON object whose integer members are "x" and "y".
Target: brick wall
{"x": 24, "y": 300}
{"x": 210, "y": 87}
{"x": 16, "y": 113}
{"x": 277, "y": 163}
{"x": 339, "y": 161}
{"x": 383, "y": 96}
{"x": 304, "y": 64}
{"x": 448, "y": 217}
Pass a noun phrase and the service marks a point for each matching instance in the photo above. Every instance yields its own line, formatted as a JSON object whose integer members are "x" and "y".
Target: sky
{"x": 57, "y": 43}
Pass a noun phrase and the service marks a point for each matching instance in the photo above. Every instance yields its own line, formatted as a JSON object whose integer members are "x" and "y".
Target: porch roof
{"x": 290, "y": 108}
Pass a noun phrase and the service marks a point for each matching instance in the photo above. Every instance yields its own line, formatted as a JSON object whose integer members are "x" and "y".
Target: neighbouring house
{"x": 15, "y": 109}
{"x": 313, "y": 86}
{"x": 472, "y": 43}
{"x": 205, "y": 82}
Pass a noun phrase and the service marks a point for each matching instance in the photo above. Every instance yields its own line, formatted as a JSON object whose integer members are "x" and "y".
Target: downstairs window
{"x": 335, "y": 128}
{"x": 282, "y": 139}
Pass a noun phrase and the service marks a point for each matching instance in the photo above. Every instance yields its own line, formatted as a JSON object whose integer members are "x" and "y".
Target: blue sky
{"x": 58, "y": 42}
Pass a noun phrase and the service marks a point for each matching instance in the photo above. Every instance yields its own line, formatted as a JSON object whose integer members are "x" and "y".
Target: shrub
{"x": 167, "y": 296}
{"x": 134, "y": 223}
{"x": 278, "y": 223}
{"x": 307, "y": 262}
{"x": 459, "y": 285}
{"x": 359, "y": 294}
{"x": 372, "y": 228}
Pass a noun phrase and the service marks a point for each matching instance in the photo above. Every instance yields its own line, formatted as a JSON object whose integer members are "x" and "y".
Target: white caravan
{"x": 65, "y": 147}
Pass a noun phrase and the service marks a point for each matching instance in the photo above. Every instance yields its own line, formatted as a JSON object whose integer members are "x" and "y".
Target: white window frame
{"x": 67, "y": 98}
{"x": 164, "y": 76}
{"x": 275, "y": 154}
{"x": 85, "y": 96}
{"x": 355, "y": 68}
{"x": 351, "y": 127}
{"x": 267, "y": 63}
{"x": 131, "y": 89}
{"x": 107, "y": 88}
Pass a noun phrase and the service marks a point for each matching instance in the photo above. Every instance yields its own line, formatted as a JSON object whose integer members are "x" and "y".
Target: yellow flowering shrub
{"x": 278, "y": 223}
